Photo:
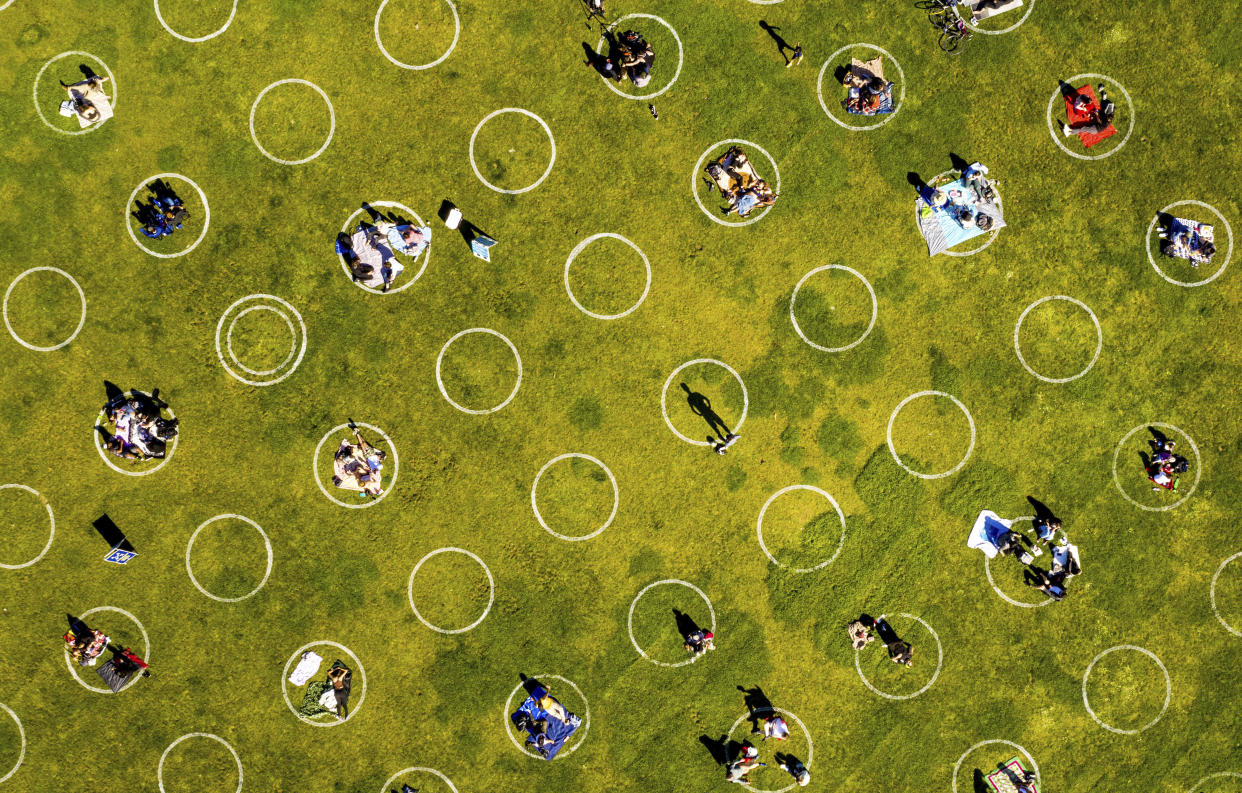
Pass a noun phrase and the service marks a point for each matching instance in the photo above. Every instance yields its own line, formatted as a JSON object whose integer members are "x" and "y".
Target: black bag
{"x": 1180, "y": 464}
{"x": 166, "y": 428}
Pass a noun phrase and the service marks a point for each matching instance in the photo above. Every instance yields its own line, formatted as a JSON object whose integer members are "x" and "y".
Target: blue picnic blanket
{"x": 886, "y": 104}
{"x": 940, "y": 228}
{"x": 557, "y": 731}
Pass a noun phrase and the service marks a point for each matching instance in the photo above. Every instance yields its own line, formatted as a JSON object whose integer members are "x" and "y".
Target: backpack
{"x": 1180, "y": 464}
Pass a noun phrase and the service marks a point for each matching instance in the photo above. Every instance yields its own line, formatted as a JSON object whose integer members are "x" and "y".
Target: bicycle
{"x": 953, "y": 29}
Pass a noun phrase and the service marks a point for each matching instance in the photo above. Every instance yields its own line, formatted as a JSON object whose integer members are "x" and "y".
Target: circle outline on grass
{"x": 669, "y": 381}
{"x": 694, "y": 181}
{"x": 958, "y": 765}
{"x": 293, "y": 348}
{"x": 874, "y": 308}
{"x": 819, "y": 87}
{"x": 1099, "y": 336}
{"x": 331, "y": 114}
{"x": 893, "y": 450}
{"x": 190, "y": 545}
{"x": 1211, "y": 592}
{"x": 21, "y": 755}
{"x": 396, "y": 465}
{"x": 35, "y": 347}
{"x": 1228, "y": 254}
{"x": 987, "y": 569}
{"x": 159, "y": 771}
{"x": 810, "y": 744}
{"x": 194, "y": 40}
{"x": 813, "y": 489}
{"x": 52, "y": 534}
{"x": 936, "y": 674}
{"x": 616, "y": 496}
{"x": 630, "y": 620}
{"x": 436, "y": 62}
{"x": 491, "y": 584}
{"x": 284, "y": 678}
{"x": 416, "y": 769}
{"x": 440, "y": 382}
{"x": 546, "y": 129}
{"x": 1052, "y": 131}
{"x": 1198, "y": 466}
{"x": 1208, "y": 778}
{"x": 202, "y": 196}
{"x": 169, "y": 451}
{"x": 39, "y": 110}
{"x": 1015, "y": 26}
{"x": 681, "y": 55}
{"x": 579, "y": 248}
{"x": 1168, "y": 689}
{"x": 146, "y": 655}
{"x": 992, "y": 235}
{"x": 425, "y": 255}
{"x": 220, "y": 327}
{"x": 586, "y": 715}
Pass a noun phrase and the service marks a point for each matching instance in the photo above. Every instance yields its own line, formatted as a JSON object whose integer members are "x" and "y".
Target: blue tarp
{"x": 557, "y": 731}
{"x": 939, "y": 227}
{"x": 987, "y": 532}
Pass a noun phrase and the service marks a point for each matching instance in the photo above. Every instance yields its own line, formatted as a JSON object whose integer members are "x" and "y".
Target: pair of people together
{"x": 865, "y": 629}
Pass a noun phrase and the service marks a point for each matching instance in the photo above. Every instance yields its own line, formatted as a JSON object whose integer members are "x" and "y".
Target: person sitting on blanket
{"x": 866, "y": 92}
{"x": 358, "y": 467}
{"x": 87, "y": 648}
{"x": 635, "y": 58}
{"x": 746, "y": 200}
{"x": 358, "y": 269}
{"x": 1100, "y": 115}
{"x": 77, "y": 95}
{"x": 700, "y": 641}
{"x": 552, "y": 706}
{"x": 405, "y": 238}
{"x": 737, "y": 770}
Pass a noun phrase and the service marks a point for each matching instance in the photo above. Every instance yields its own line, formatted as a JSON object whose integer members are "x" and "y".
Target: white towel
{"x": 306, "y": 668}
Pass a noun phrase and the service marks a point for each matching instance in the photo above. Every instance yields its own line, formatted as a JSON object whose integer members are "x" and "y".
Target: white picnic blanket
{"x": 383, "y": 261}
{"x": 92, "y": 92}
{"x": 989, "y": 527}
{"x": 306, "y": 668}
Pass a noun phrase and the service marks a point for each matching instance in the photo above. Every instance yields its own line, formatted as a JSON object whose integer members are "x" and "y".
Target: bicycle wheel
{"x": 940, "y": 16}
{"x": 929, "y": 4}
{"x": 949, "y": 40}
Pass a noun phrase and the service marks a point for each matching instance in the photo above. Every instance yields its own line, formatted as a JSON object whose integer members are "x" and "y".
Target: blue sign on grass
{"x": 119, "y": 556}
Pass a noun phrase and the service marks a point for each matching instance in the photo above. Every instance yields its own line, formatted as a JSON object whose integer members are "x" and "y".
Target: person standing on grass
{"x": 860, "y": 631}
{"x": 794, "y": 767}
{"x": 774, "y": 727}
{"x": 738, "y": 770}
{"x": 899, "y": 651}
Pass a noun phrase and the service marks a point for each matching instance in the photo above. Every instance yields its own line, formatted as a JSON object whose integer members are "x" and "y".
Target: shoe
{"x": 1065, "y": 129}
{"x": 1100, "y": 89}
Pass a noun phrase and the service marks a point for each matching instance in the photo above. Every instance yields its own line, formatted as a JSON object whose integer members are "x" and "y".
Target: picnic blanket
{"x": 984, "y": 13}
{"x": 372, "y": 250}
{"x": 724, "y": 179}
{"x": 1078, "y": 118}
{"x": 343, "y": 468}
{"x": 115, "y": 679}
{"x": 940, "y": 228}
{"x": 557, "y": 731}
{"x": 886, "y": 104}
{"x": 987, "y": 532}
{"x": 1196, "y": 234}
{"x": 867, "y": 70}
{"x": 92, "y": 92}
{"x": 1001, "y": 780}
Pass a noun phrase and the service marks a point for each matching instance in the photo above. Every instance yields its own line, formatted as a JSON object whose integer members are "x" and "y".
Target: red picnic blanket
{"x": 1077, "y": 118}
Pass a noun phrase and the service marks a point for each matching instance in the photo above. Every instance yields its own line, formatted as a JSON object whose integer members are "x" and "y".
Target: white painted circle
{"x": 52, "y": 533}
{"x": 819, "y": 87}
{"x": 1168, "y": 689}
{"x": 202, "y": 197}
{"x": 694, "y": 180}
{"x": 416, "y": 770}
{"x": 958, "y": 765}
{"x": 220, "y": 329}
{"x": 813, "y": 489}
{"x": 987, "y": 569}
{"x": 582, "y": 246}
{"x": 190, "y": 546}
{"x": 1055, "y": 131}
{"x": 35, "y": 347}
{"x": 370, "y": 502}
{"x": 810, "y": 745}
{"x": 103, "y": 455}
{"x": 159, "y": 771}
{"x": 991, "y": 234}
{"x": 491, "y": 584}
{"x": 146, "y": 653}
{"x": 21, "y": 755}
{"x": 331, "y": 129}
{"x": 766, "y": 2}
{"x": 440, "y": 382}
{"x": 874, "y": 308}
{"x": 1199, "y": 784}
{"x": 284, "y": 678}
{"x": 969, "y": 449}
{"x": 616, "y": 496}
{"x": 2, "y": 7}
{"x": 586, "y": 717}
{"x": 436, "y": 62}
{"x": 936, "y": 674}
{"x": 1211, "y": 592}
{"x": 1030, "y": 6}
{"x": 425, "y": 255}
{"x": 546, "y": 129}
{"x": 293, "y": 340}
{"x": 39, "y": 110}
{"x": 1099, "y": 335}
{"x": 681, "y": 55}
{"x": 629, "y": 622}
{"x": 1228, "y": 252}
{"x": 1198, "y": 466}
{"x": 195, "y": 40}
{"x": 669, "y": 381}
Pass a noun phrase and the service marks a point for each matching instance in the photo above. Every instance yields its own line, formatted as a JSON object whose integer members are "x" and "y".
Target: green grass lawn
{"x": 593, "y": 387}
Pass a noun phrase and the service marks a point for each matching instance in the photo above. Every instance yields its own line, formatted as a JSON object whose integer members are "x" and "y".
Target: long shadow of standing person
{"x": 782, "y": 45}
{"x": 702, "y": 406}
{"x": 758, "y": 705}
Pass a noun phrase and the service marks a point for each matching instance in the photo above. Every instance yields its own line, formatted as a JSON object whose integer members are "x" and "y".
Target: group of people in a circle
{"x": 370, "y": 251}
{"x": 163, "y": 214}
{"x": 766, "y": 722}
{"x": 1164, "y": 465}
{"x": 134, "y": 427}
{"x": 359, "y": 466}
{"x": 85, "y": 645}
